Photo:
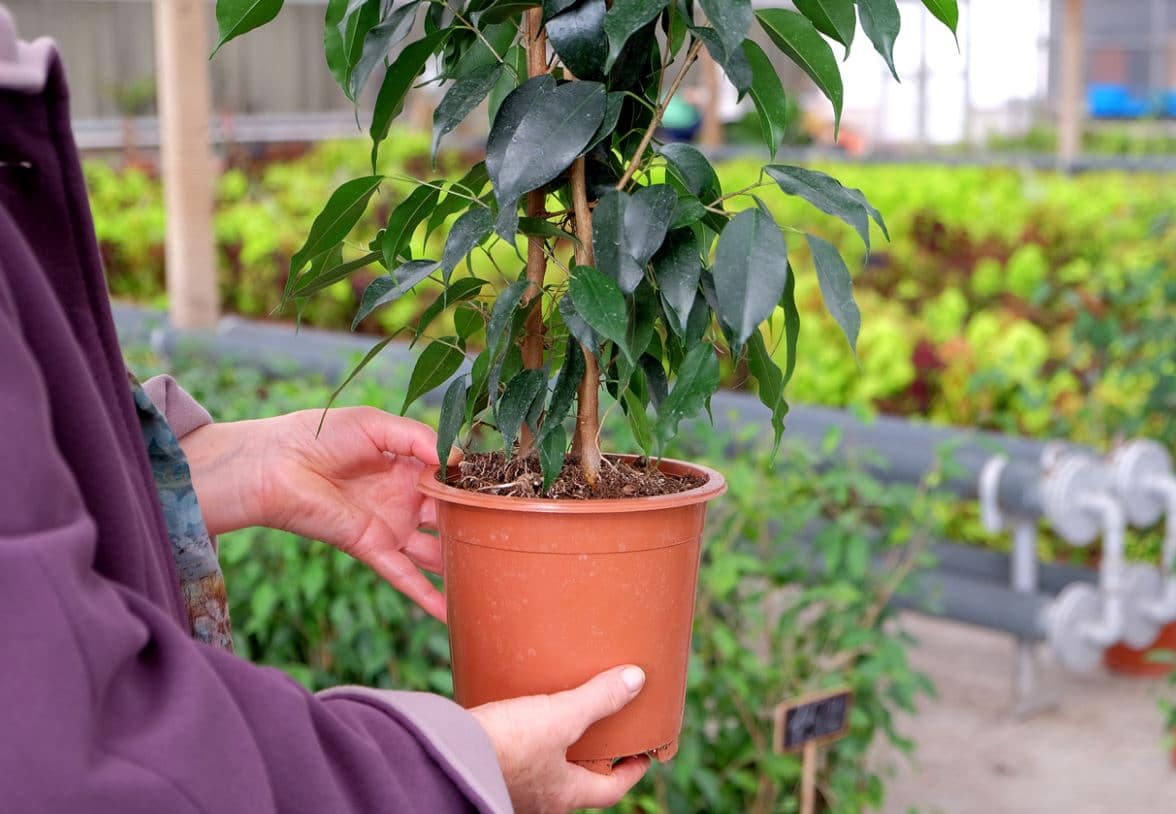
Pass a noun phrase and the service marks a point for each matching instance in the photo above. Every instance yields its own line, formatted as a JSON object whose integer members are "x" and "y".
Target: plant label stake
{"x": 805, "y": 723}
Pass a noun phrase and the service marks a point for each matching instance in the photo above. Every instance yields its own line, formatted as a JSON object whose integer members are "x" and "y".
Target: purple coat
{"x": 106, "y": 702}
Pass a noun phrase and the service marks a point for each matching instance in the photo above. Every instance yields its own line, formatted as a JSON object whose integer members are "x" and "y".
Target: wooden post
{"x": 711, "y": 132}
{"x": 808, "y": 779}
{"x": 184, "y": 98}
{"x": 1071, "y": 102}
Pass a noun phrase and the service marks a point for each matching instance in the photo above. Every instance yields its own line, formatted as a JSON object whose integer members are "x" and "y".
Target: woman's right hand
{"x": 531, "y": 736}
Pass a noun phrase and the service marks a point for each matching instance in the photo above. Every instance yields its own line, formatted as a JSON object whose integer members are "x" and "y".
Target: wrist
{"x": 227, "y": 474}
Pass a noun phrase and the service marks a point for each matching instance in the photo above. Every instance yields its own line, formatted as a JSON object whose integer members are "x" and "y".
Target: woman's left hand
{"x": 353, "y": 486}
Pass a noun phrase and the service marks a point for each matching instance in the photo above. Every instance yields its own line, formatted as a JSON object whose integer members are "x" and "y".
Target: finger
{"x": 428, "y": 514}
{"x": 425, "y": 551}
{"x": 396, "y": 569}
{"x": 400, "y": 436}
{"x": 590, "y": 790}
{"x": 597, "y": 698}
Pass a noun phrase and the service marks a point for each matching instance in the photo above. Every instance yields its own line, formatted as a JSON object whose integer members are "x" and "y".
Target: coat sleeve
{"x": 107, "y": 705}
{"x": 181, "y": 412}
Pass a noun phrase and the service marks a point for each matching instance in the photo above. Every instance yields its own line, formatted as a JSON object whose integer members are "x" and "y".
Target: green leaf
{"x": 566, "y": 386}
{"x": 730, "y": 19}
{"x": 623, "y": 20}
{"x": 687, "y": 212}
{"x": 553, "y": 449}
{"x": 751, "y": 265}
{"x": 600, "y": 302}
{"x": 498, "y": 11}
{"x": 392, "y": 287}
{"x": 507, "y": 80}
{"x": 791, "y": 326}
{"x": 468, "y": 231}
{"x": 404, "y": 220}
{"x": 501, "y": 313}
{"x": 628, "y": 229}
{"x": 464, "y": 289}
{"x": 554, "y": 7}
{"x": 452, "y": 417}
{"x": 459, "y": 101}
{"x": 800, "y": 41}
{"x": 333, "y": 47}
{"x": 359, "y": 18}
{"x": 698, "y": 379}
{"x": 677, "y": 267}
{"x": 235, "y": 17}
{"x": 639, "y": 422}
{"x": 343, "y": 210}
{"x": 577, "y": 36}
{"x": 329, "y": 275}
{"x": 397, "y": 83}
{"x": 613, "y": 102}
{"x": 835, "y": 19}
{"x": 467, "y": 321}
{"x": 540, "y": 129}
{"x": 545, "y": 228}
{"x": 368, "y": 357}
{"x": 830, "y": 196}
{"x": 694, "y": 171}
{"x": 436, "y": 364}
{"x": 379, "y": 41}
{"x": 577, "y": 326}
{"x": 768, "y": 95}
{"x": 458, "y": 195}
{"x": 734, "y": 62}
{"x": 771, "y": 385}
{"x": 946, "y": 11}
{"x": 836, "y": 288}
{"x": 521, "y": 392}
{"x": 881, "y": 22}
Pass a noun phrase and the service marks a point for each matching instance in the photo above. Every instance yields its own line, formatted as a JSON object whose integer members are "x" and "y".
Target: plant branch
{"x": 587, "y": 440}
{"x": 635, "y": 162}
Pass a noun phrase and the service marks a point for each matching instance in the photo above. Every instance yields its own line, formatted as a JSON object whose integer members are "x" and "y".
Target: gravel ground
{"x": 1097, "y": 750}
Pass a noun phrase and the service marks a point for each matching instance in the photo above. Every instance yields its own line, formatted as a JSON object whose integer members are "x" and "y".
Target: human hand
{"x": 353, "y": 486}
{"x": 531, "y": 736}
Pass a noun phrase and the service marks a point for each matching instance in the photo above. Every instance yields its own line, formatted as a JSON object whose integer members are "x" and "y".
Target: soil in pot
{"x": 620, "y": 477}
{"x": 543, "y": 594}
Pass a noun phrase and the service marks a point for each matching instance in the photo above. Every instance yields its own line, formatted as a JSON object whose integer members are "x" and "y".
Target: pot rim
{"x": 715, "y": 485}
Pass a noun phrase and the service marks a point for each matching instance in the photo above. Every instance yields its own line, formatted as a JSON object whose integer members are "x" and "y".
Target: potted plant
{"x": 639, "y": 271}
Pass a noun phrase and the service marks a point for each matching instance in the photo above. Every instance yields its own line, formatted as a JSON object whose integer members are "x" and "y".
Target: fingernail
{"x": 633, "y": 678}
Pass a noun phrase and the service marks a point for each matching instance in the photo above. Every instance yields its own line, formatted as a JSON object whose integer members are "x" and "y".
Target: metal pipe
{"x": 1107, "y": 630}
{"x": 986, "y": 565}
{"x": 1163, "y": 610}
{"x": 981, "y": 604}
{"x": 1024, "y": 581}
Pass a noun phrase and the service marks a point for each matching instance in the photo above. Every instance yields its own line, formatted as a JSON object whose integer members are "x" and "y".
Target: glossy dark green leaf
{"x": 693, "y": 170}
{"x": 332, "y": 273}
{"x": 835, "y": 19}
{"x": 699, "y": 321}
{"x": 458, "y": 195}
{"x": 545, "y": 228}
{"x": 600, "y": 302}
{"x": 628, "y": 229}
{"x": 343, "y": 210}
{"x": 688, "y": 211}
{"x": 359, "y": 18}
{"x": 613, "y": 103}
{"x": 507, "y": 80}
{"x": 638, "y": 418}
{"x": 480, "y": 52}
{"x": 467, "y": 321}
{"x": 881, "y": 22}
{"x": 577, "y": 36}
{"x": 468, "y": 231}
{"x": 800, "y": 41}
{"x": 577, "y": 326}
{"x": 452, "y": 417}
{"x": 540, "y": 129}
{"x": 378, "y": 43}
{"x": 391, "y": 287}
{"x": 553, "y": 451}
{"x": 768, "y": 95}
{"x": 235, "y": 17}
{"x": 500, "y": 11}
{"x": 697, "y": 381}
{"x": 566, "y": 386}
{"x": 521, "y": 392}
{"x": 946, "y": 11}
{"x": 734, "y": 63}
{"x": 830, "y": 196}
{"x": 434, "y": 366}
{"x": 791, "y": 326}
{"x": 459, "y": 101}
{"x": 464, "y": 289}
{"x": 730, "y": 20}
{"x": 502, "y": 311}
{"x": 642, "y": 326}
{"x": 333, "y": 48}
{"x": 476, "y": 398}
{"x": 677, "y": 267}
{"x": 404, "y": 220}
{"x": 836, "y": 288}
{"x": 554, "y": 7}
{"x": 655, "y": 377}
{"x": 751, "y": 265}
{"x": 623, "y": 20}
{"x": 770, "y": 381}
{"x": 398, "y": 81}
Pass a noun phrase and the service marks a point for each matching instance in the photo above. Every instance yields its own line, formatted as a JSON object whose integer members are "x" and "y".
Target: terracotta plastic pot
{"x": 1126, "y": 660}
{"x": 544, "y": 594}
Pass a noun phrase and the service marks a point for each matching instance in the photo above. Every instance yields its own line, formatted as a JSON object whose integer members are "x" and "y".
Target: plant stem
{"x": 536, "y": 43}
{"x": 587, "y": 441}
{"x": 636, "y": 161}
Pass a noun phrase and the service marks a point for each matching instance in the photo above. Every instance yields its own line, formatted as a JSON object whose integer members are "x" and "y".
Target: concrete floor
{"x": 1097, "y": 751}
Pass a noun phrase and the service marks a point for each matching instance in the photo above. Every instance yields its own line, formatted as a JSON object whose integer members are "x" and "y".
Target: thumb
{"x": 597, "y": 698}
